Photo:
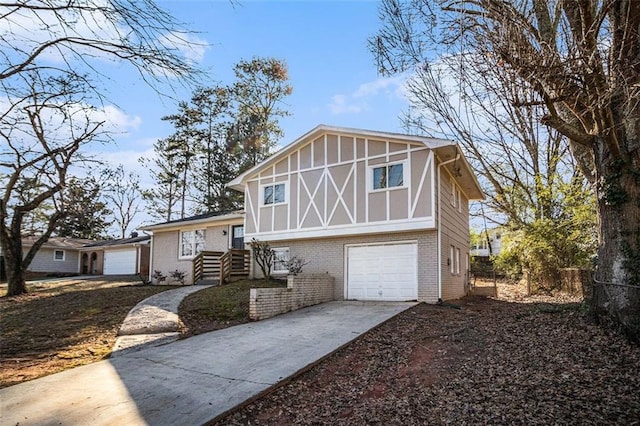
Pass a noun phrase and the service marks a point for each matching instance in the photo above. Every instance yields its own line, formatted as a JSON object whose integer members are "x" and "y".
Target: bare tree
{"x": 47, "y": 104}
{"x": 42, "y": 134}
{"x": 123, "y": 194}
{"x": 581, "y": 58}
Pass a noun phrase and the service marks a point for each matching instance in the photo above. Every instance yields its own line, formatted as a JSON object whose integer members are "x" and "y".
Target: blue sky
{"x": 324, "y": 44}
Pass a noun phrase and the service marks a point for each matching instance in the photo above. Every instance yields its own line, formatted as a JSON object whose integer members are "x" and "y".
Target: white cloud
{"x": 388, "y": 85}
{"x": 191, "y": 47}
{"x": 26, "y": 29}
{"x": 340, "y": 105}
{"x": 359, "y": 99}
{"x": 116, "y": 120}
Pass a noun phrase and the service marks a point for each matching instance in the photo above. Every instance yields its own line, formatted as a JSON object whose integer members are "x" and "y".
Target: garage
{"x": 120, "y": 262}
{"x": 383, "y": 272}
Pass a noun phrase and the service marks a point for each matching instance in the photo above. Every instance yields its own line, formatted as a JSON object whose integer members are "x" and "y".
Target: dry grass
{"x": 219, "y": 307}
{"x": 63, "y": 324}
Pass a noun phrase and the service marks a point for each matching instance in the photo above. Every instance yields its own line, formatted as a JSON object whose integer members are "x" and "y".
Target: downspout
{"x": 439, "y": 248}
{"x": 150, "y": 256}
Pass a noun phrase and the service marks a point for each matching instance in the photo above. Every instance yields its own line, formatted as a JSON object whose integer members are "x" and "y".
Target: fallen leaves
{"x": 537, "y": 361}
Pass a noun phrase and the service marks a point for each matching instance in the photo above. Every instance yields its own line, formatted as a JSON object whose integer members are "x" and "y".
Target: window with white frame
{"x": 58, "y": 255}
{"x": 191, "y": 243}
{"x": 281, "y": 260}
{"x": 273, "y": 194}
{"x": 457, "y": 261}
{"x": 387, "y": 176}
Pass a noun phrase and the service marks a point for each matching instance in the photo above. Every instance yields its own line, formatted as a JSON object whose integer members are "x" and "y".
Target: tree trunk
{"x": 616, "y": 294}
{"x": 16, "y": 273}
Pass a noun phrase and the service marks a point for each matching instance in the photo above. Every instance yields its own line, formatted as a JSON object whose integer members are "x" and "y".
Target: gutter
{"x": 439, "y": 248}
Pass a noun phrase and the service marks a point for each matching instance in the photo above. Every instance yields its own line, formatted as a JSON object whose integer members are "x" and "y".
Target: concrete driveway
{"x": 195, "y": 380}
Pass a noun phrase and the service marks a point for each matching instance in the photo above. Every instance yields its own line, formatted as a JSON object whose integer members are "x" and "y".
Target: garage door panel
{"x": 120, "y": 262}
{"x": 382, "y": 272}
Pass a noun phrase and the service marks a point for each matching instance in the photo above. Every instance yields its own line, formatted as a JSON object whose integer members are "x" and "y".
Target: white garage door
{"x": 382, "y": 272}
{"x": 120, "y": 262}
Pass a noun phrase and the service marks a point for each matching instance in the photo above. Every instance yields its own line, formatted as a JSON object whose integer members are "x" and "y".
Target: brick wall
{"x": 327, "y": 255}
{"x": 302, "y": 290}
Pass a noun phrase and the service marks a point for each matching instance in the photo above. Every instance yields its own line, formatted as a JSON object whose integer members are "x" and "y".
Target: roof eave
{"x": 178, "y": 225}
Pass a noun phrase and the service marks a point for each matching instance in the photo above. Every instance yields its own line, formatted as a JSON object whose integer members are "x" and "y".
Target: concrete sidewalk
{"x": 152, "y": 322}
{"x": 192, "y": 381}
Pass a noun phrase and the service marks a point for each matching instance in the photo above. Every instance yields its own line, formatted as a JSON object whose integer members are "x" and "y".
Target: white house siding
{"x": 327, "y": 255}
{"x": 43, "y": 262}
{"x": 166, "y": 245}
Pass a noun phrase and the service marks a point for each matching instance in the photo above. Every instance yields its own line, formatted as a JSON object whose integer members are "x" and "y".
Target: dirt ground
{"x": 62, "y": 324}
{"x": 512, "y": 360}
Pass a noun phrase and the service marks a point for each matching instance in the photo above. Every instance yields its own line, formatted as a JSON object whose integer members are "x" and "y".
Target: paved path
{"x": 194, "y": 380}
{"x": 153, "y": 322}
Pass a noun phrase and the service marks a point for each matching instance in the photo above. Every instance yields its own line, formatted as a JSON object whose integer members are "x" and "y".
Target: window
{"x": 274, "y": 194}
{"x": 191, "y": 243}
{"x": 458, "y": 261}
{"x": 452, "y": 253}
{"x": 58, "y": 255}
{"x": 281, "y": 258}
{"x": 456, "y": 199}
{"x": 388, "y": 176}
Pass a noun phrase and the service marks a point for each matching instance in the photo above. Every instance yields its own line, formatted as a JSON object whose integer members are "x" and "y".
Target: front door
{"x": 237, "y": 239}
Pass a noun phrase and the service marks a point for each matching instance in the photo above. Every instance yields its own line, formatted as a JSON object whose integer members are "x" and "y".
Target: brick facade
{"x": 302, "y": 290}
{"x": 327, "y": 256}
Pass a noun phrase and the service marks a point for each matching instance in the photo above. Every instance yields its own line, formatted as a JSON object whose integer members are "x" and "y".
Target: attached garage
{"x": 382, "y": 272}
{"x": 120, "y": 262}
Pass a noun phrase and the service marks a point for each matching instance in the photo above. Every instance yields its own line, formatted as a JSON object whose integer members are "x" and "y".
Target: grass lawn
{"x": 63, "y": 324}
{"x": 219, "y": 307}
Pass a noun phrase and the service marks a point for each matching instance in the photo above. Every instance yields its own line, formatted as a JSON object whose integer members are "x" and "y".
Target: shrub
{"x": 295, "y": 264}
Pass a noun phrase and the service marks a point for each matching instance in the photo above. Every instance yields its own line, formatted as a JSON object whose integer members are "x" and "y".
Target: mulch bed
{"x": 477, "y": 361}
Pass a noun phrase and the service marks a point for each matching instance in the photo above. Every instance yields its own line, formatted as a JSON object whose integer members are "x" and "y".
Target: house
{"x": 58, "y": 256}
{"x": 489, "y": 243}
{"x": 126, "y": 256}
{"x": 176, "y": 244}
{"x": 385, "y": 214}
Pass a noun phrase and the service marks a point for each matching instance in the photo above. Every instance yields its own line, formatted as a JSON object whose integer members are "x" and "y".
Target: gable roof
{"x": 213, "y": 217}
{"x": 445, "y": 150}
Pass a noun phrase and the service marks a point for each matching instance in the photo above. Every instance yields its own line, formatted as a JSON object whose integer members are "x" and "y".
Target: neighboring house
{"x": 489, "y": 243}
{"x": 385, "y": 214}
{"x": 126, "y": 256}
{"x": 57, "y": 256}
{"x": 175, "y": 244}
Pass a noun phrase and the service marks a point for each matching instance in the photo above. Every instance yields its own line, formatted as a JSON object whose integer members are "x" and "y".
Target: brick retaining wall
{"x": 302, "y": 290}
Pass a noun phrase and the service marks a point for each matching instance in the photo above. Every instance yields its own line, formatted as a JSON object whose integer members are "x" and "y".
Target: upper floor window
{"x": 388, "y": 176}
{"x": 273, "y": 194}
{"x": 191, "y": 242}
{"x": 456, "y": 200}
{"x": 58, "y": 255}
